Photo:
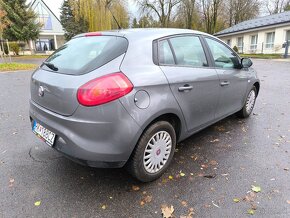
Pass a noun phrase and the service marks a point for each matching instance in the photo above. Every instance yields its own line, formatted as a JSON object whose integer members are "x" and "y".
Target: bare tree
{"x": 210, "y": 10}
{"x": 277, "y": 6}
{"x": 187, "y": 9}
{"x": 241, "y": 10}
{"x": 163, "y": 9}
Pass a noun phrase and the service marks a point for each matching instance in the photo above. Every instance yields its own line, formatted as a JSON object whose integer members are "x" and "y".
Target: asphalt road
{"x": 209, "y": 170}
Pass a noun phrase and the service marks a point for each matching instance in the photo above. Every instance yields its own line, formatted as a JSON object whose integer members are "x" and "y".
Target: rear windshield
{"x": 84, "y": 54}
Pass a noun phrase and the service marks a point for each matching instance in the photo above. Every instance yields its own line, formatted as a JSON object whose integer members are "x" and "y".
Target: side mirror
{"x": 246, "y": 62}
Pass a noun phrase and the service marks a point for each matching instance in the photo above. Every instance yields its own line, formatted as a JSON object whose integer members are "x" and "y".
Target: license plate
{"x": 43, "y": 133}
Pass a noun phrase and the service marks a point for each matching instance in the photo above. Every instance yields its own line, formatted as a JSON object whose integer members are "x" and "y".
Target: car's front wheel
{"x": 249, "y": 104}
{"x": 153, "y": 152}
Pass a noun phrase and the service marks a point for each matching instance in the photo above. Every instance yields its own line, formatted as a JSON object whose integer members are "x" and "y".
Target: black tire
{"x": 244, "y": 113}
{"x": 135, "y": 165}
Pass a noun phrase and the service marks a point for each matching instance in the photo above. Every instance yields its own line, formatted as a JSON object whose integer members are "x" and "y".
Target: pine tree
{"x": 135, "y": 23}
{"x": 71, "y": 25}
{"x": 23, "y": 25}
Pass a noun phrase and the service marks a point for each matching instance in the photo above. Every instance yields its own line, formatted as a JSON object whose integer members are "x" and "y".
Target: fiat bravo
{"x": 126, "y": 97}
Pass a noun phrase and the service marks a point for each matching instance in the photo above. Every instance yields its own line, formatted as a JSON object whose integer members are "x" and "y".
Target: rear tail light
{"x": 104, "y": 89}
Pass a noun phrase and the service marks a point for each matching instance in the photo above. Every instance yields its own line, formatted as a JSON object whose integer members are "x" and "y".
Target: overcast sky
{"x": 55, "y": 5}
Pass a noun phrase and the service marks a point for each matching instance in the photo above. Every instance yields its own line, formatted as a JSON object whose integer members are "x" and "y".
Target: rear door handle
{"x": 185, "y": 88}
{"x": 225, "y": 83}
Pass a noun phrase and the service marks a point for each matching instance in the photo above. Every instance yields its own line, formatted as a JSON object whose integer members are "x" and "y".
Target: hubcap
{"x": 157, "y": 152}
{"x": 250, "y": 101}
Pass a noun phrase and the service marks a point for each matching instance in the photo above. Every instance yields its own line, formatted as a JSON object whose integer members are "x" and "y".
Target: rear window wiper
{"x": 50, "y": 65}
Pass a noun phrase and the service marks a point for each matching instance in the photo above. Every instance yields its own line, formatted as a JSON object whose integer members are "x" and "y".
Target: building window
{"x": 240, "y": 44}
{"x": 254, "y": 42}
{"x": 287, "y": 35}
{"x": 270, "y": 37}
{"x": 44, "y": 17}
{"x": 42, "y": 45}
{"x": 229, "y": 42}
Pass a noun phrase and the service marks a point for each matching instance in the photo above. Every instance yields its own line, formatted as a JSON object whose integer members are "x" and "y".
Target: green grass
{"x": 262, "y": 56}
{"x": 16, "y": 66}
{"x": 30, "y": 56}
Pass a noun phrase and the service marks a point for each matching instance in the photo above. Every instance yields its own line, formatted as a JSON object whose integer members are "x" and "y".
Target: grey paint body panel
{"x": 105, "y": 135}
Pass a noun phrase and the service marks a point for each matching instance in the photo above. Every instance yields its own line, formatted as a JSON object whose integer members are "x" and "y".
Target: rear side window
{"x": 84, "y": 54}
{"x": 165, "y": 54}
{"x": 188, "y": 51}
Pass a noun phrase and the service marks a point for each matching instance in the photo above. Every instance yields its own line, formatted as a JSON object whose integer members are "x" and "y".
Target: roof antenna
{"x": 119, "y": 27}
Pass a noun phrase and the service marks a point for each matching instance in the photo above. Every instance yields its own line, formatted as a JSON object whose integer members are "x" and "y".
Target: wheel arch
{"x": 257, "y": 85}
{"x": 172, "y": 118}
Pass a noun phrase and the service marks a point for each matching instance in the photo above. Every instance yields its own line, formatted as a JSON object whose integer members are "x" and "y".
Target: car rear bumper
{"x": 102, "y": 136}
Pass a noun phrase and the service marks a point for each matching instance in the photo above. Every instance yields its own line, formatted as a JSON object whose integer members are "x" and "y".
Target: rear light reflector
{"x": 104, "y": 89}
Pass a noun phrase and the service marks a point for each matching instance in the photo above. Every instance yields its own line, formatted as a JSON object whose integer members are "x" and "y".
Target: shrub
{"x": 13, "y": 46}
{"x": 235, "y": 48}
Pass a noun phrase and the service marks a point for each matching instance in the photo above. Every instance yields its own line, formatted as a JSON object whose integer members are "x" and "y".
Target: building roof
{"x": 265, "y": 21}
{"x": 46, "y": 7}
{"x": 51, "y": 23}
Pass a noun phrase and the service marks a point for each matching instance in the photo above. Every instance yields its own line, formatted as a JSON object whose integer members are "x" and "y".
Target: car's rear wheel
{"x": 153, "y": 152}
{"x": 249, "y": 104}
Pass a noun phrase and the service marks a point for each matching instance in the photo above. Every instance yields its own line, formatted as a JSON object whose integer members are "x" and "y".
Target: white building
{"x": 261, "y": 35}
{"x": 51, "y": 36}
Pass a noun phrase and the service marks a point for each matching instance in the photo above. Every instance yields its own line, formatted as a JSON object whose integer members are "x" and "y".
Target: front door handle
{"x": 185, "y": 88}
{"x": 225, "y": 83}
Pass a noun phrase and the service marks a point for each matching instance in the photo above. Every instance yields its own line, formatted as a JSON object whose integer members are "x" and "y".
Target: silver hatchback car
{"x": 126, "y": 97}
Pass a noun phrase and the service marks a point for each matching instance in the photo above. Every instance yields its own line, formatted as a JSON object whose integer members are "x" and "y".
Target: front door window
{"x": 222, "y": 55}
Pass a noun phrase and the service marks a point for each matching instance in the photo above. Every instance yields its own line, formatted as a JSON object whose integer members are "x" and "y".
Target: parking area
{"x": 211, "y": 176}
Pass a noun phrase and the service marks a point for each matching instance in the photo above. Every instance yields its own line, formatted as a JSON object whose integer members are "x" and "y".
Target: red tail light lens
{"x": 104, "y": 89}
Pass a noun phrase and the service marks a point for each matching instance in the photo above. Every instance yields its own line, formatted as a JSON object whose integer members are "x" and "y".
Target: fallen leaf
{"x": 37, "y": 203}
{"x": 207, "y": 205}
{"x": 251, "y": 212}
{"x": 213, "y": 162}
{"x": 215, "y": 204}
{"x": 167, "y": 211}
{"x": 236, "y": 200}
{"x": 220, "y": 128}
{"x": 148, "y": 199}
{"x": 256, "y": 188}
{"x": 182, "y": 174}
{"x": 250, "y": 197}
{"x": 135, "y": 188}
{"x": 254, "y": 206}
{"x": 104, "y": 207}
{"x": 211, "y": 176}
{"x": 215, "y": 140}
{"x": 11, "y": 182}
{"x": 170, "y": 177}
{"x": 184, "y": 203}
{"x": 164, "y": 180}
